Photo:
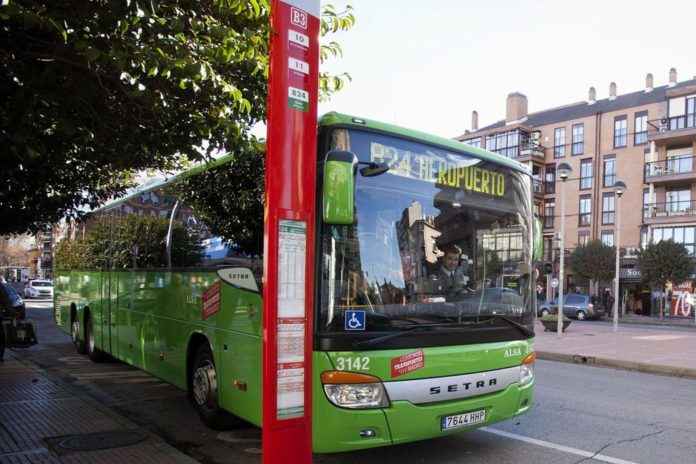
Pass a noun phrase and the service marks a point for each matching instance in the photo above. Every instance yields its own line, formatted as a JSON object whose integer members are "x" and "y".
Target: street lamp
{"x": 619, "y": 189}
{"x": 563, "y": 171}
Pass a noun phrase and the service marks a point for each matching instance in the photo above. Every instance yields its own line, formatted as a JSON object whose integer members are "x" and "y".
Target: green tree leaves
{"x": 92, "y": 92}
{"x": 594, "y": 261}
{"x": 664, "y": 261}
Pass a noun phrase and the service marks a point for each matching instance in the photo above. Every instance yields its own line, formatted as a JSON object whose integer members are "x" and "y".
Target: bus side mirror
{"x": 537, "y": 240}
{"x": 338, "y": 193}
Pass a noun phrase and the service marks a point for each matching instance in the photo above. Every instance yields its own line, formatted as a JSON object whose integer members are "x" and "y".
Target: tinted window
{"x": 574, "y": 299}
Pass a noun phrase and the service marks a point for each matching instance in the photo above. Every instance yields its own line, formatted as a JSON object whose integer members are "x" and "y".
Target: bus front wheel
{"x": 204, "y": 389}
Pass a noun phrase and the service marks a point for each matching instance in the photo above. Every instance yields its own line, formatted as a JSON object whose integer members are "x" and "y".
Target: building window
{"x": 585, "y": 208}
{"x": 608, "y": 208}
{"x": 608, "y": 237}
{"x": 643, "y": 237}
{"x": 609, "y": 171}
{"x": 646, "y": 203}
{"x": 549, "y": 213}
{"x": 474, "y": 142}
{"x": 620, "y": 131}
{"x": 583, "y": 237}
{"x": 586, "y": 174}
{"x": 640, "y": 135}
{"x": 559, "y": 142}
{"x": 682, "y": 112}
{"x": 683, "y": 235}
{"x": 678, "y": 201}
{"x": 680, "y": 160}
{"x": 578, "y": 139}
{"x": 490, "y": 143}
{"x": 550, "y": 179}
{"x": 505, "y": 143}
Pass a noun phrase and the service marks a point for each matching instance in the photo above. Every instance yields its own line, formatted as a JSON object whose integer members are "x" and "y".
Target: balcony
{"x": 670, "y": 212}
{"x": 538, "y": 187}
{"x": 531, "y": 151}
{"x": 673, "y": 130}
{"x": 679, "y": 168}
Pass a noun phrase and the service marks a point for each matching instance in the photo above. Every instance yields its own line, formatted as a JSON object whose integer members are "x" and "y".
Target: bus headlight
{"x": 354, "y": 391}
{"x": 527, "y": 369}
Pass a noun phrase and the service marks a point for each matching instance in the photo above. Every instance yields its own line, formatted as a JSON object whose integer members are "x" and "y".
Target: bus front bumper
{"x": 339, "y": 430}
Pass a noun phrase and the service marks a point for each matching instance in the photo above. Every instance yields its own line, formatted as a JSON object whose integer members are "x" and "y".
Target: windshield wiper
{"x": 414, "y": 328}
{"x": 522, "y": 328}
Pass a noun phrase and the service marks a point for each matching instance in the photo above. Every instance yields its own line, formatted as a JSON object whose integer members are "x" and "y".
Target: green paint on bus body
{"x": 151, "y": 319}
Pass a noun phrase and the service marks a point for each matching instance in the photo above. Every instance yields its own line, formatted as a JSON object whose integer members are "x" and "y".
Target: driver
{"x": 450, "y": 277}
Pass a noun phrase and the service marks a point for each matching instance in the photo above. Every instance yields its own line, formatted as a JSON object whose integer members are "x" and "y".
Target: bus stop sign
{"x": 291, "y": 159}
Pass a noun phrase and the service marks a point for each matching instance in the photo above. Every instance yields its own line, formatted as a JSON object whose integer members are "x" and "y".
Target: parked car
{"x": 38, "y": 289}
{"x": 11, "y": 304}
{"x": 16, "y": 330}
{"x": 576, "y": 305}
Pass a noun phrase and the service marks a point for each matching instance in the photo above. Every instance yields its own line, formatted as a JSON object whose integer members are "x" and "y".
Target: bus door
{"x": 106, "y": 310}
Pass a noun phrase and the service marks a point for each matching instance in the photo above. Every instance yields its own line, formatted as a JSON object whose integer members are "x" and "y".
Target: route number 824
{"x": 353, "y": 364}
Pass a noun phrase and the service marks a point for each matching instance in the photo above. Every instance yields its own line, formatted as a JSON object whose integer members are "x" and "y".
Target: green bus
{"x": 424, "y": 315}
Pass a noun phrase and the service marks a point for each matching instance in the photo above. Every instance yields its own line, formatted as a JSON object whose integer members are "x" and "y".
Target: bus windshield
{"x": 441, "y": 240}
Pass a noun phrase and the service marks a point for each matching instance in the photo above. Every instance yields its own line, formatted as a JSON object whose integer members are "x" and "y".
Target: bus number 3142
{"x": 353, "y": 364}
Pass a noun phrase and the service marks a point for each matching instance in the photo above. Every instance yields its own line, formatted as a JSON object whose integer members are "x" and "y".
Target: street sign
{"x": 554, "y": 282}
{"x": 288, "y": 292}
{"x": 354, "y": 320}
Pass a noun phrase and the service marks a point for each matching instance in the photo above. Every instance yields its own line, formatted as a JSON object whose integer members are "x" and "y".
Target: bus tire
{"x": 76, "y": 333}
{"x": 95, "y": 354}
{"x": 204, "y": 389}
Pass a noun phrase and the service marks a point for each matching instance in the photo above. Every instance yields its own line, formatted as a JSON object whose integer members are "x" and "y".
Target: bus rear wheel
{"x": 204, "y": 390}
{"x": 94, "y": 353}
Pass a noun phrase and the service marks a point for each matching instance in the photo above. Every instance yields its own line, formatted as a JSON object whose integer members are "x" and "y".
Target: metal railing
{"x": 531, "y": 149}
{"x": 670, "y": 209}
{"x": 538, "y": 186}
{"x": 675, "y": 165}
{"x": 673, "y": 123}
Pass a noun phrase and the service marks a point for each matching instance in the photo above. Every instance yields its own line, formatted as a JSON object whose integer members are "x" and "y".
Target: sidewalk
{"x": 45, "y": 421}
{"x": 657, "y": 351}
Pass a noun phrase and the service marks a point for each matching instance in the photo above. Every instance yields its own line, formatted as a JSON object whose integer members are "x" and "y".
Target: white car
{"x": 38, "y": 289}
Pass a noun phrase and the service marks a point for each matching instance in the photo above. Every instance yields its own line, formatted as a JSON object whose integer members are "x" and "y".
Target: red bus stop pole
{"x": 288, "y": 291}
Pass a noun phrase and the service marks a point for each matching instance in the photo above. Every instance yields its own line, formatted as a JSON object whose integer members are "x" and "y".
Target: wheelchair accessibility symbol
{"x": 355, "y": 320}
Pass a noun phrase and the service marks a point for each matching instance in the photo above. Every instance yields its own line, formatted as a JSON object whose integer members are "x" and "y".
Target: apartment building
{"x": 646, "y": 138}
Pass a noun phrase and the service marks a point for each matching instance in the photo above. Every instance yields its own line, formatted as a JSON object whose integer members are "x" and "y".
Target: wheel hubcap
{"x": 91, "y": 342}
{"x": 204, "y": 384}
{"x": 75, "y": 331}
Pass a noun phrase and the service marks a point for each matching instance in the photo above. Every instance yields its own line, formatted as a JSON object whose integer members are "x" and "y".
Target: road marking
{"x": 565, "y": 449}
{"x": 659, "y": 338}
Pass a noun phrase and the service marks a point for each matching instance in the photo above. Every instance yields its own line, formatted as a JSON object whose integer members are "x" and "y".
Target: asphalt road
{"x": 581, "y": 414}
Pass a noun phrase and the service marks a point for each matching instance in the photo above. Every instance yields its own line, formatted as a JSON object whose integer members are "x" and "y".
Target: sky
{"x": 427, "y": 64}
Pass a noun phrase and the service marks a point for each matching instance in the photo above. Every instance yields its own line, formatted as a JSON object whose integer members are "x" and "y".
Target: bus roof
{"x": 344, "y": 120}
{"x": 332, "y": 119}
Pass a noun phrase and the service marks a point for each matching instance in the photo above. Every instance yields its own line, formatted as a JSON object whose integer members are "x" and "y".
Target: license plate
{"x": 463, "y": 420}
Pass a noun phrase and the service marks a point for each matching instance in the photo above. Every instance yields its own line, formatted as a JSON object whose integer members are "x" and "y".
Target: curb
{"x": 690, "y": 325}
{"x": 658, "y": 369}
